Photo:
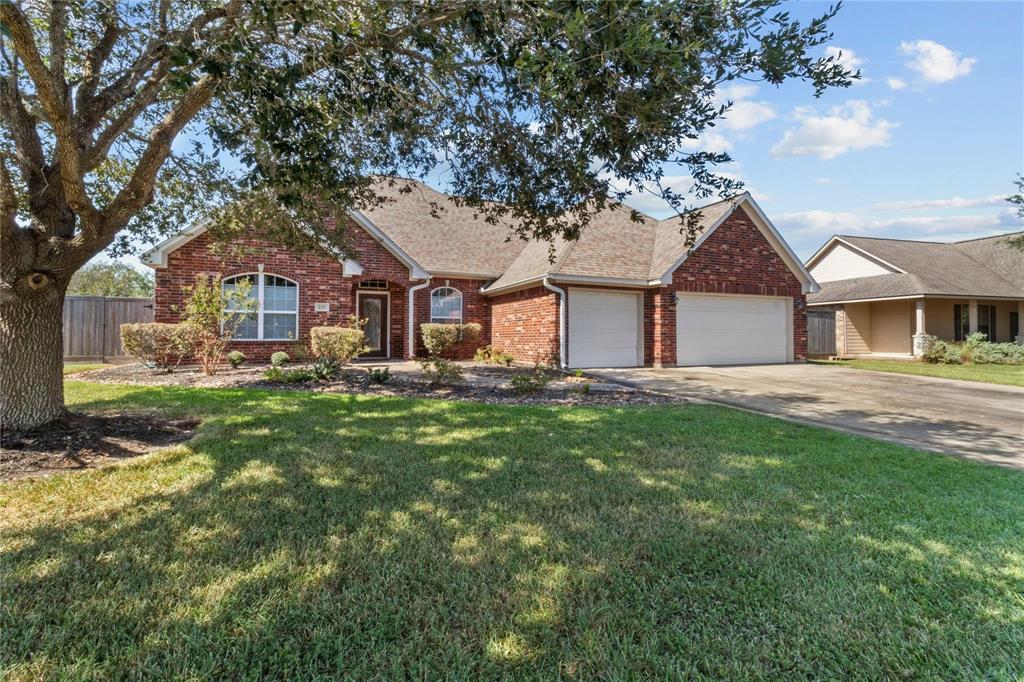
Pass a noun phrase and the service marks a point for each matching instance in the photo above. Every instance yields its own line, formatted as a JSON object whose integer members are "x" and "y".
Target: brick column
{"x": 663, "y": 321}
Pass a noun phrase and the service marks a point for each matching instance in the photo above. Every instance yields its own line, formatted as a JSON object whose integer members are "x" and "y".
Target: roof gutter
{"x": 562, "y": 359}
{"x": 412, "y": 316}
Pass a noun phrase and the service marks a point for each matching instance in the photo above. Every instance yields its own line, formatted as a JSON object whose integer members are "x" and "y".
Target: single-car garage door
{"x": 604, "y": 328}
{"x": 732, "y": 330}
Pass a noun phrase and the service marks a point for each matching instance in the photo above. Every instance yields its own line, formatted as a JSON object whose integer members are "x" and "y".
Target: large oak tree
{"x": 114, "y": 117}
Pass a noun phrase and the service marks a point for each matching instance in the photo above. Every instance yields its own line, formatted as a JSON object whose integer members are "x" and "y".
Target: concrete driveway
{"x": 978, "y": 421}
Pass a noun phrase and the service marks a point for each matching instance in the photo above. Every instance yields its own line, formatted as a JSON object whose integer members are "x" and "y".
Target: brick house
{"x": 626, "y": 293}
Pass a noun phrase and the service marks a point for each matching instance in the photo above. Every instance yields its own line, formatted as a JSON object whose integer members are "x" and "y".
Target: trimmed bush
{"x": 158, "y": 344}
{"x": 279, "y": 359}
{"x": 441, "y": 339}
{"x": 236, "y": 358}
{"x": 341, "y": 344}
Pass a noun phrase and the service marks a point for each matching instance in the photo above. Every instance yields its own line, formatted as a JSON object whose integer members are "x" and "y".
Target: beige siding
{"x": 1003, "y": 310}
{"x": 858, "y": 328}
{"x": 891, "y": 326}
{"x": 938, "y": 317}
{"x": 841, "y": 262}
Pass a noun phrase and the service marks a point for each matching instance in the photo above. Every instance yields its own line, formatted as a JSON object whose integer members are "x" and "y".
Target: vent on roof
{"x": 373, "y": 284}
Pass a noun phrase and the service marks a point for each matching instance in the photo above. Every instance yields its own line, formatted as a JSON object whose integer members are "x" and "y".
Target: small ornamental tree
{"x": 211, "y": 316}
{"x": 540, "y": 113}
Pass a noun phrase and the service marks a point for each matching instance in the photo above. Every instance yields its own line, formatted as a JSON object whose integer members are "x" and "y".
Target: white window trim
{"x": 462, "y": 311}
{"x": 260, "y": 278}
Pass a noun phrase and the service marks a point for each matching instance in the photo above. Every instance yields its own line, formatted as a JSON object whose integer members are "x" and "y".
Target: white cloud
{"x": 815, "y": 223}
{"x": 955, "y": 202}
{"x": 711, "y": 141}
{"x": 895, "y": 83}
{"x": 848, "y": 127}
{"x": 849, "y": 61}
{"x": 823, "y": 181}
{"x": 744, "y": 113}
{"x": 805, "y": 224}
{"x": 934, "y": 62}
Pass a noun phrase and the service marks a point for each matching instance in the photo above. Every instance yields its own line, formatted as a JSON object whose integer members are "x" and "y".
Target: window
{"x": 276, "y": 314}
{"x": 446, "y": 305}
{"x": 962, "y": 325}
{"x": 961, "y": 321}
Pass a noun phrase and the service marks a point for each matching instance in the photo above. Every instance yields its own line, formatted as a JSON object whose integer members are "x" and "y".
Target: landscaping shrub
{"x": 236, "y": 358}
{"x": 438, "y": 370}
{"x": 493, "y": 355}
{"x": 534, "y": 382}
{"x": 379, "y": 375}
{"x": 279, "y": 359}
{"x": 341, "y": 344}
{"x": 291, "y": 376}
{"x": 158, "y": 344}
{"x": 976, "y": 349}
{"x": 211, "y": 316}
{"x": 441, "y": 339}
{"x": 326, "y": 369}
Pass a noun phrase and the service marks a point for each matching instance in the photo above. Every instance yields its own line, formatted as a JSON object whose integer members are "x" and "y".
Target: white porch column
{"x": 972, "y": 316}
{"x": 1020, "y": 321}
{"x": 919, "y": 328}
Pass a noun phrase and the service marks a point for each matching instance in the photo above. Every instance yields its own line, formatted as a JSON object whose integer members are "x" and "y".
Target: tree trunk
{"x": 31, "y": 356}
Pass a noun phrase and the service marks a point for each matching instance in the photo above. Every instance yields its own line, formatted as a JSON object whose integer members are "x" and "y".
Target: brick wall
{"x": 525, "y": 324}
{"x": 735, "y": 259}
{"x": 475, "y": 308}
{"x": 320, "y": 279}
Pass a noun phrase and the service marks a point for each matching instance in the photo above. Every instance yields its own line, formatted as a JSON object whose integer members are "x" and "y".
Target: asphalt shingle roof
{"x": 979, "y": 267}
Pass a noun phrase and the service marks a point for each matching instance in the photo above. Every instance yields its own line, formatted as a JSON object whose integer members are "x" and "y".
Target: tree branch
{"x": 96, "y": 57}
{"x": 55, "y": 105}
{"x": 139, "y": 190}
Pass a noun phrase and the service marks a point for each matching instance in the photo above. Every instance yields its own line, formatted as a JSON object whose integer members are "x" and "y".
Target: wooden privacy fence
{"x": 92, "y": 325}
{"x": 821, "y": 332}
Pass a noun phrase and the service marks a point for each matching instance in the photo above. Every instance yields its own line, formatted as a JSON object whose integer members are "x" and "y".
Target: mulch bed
{"x": 355, "y": 381}
{"x": 86, "y": 441}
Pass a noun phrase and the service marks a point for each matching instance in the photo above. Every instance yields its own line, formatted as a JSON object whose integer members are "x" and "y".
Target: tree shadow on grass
{"x": 302, "y": 535}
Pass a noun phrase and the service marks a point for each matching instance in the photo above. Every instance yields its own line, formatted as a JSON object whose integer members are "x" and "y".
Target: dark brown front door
{"x": 373, "y": 309}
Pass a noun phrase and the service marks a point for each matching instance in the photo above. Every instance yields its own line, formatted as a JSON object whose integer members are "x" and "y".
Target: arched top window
{"x": 446, "y": 305}
{"x": 274, "y": 301}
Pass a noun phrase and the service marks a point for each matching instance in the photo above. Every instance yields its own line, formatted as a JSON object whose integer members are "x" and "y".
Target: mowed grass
{"x": 302, "y": 535}
{"x": 1010, "y": 375}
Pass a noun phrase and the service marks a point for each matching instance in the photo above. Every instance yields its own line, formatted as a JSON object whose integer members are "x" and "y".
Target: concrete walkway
{"x": 983, "y": 422}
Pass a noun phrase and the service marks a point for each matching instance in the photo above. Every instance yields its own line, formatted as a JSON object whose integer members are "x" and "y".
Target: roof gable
{"x": 841, "y": 260}
{"x": 984, "y": 267}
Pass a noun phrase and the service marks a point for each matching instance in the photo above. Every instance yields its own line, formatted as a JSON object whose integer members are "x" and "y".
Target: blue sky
{"x": 926, "y": 146}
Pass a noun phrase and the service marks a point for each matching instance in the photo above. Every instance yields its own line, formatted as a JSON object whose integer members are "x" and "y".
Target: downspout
{"x": 562, "y": 357}
{"x": 412, "y": 317}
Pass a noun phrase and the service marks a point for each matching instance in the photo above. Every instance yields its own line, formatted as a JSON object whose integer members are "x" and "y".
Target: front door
{"x": 373, "y": 308}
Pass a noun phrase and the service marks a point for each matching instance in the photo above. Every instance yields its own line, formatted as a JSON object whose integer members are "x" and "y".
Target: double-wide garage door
{"x": 606, "y": 329}
{"x": 731, "y": 330}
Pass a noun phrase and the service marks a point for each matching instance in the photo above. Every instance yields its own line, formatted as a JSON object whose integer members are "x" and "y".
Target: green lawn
{"x": 72, "y": 367}
{"x": 1011, "y": 375}
{"x": 303, "y": 535}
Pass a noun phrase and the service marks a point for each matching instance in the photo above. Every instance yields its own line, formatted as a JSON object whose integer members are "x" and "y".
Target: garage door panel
{"x": 720, "y": 330}
{"x": 604, "y": 328}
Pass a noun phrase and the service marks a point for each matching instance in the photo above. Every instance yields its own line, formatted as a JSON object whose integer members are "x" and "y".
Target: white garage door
{"x": 731, "y": 330}
{"x": 604, "y": 329}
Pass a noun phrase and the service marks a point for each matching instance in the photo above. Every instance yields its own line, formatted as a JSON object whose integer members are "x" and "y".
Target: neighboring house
{"x": 625, "y": 294}
{"x": 889, "y": 293}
